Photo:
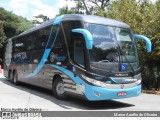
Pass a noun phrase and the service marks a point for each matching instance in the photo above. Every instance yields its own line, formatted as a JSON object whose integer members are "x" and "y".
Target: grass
{"x": 151, "y": 92}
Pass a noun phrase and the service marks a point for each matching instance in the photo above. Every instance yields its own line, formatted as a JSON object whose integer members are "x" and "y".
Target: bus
{"x": 85, "y": 56}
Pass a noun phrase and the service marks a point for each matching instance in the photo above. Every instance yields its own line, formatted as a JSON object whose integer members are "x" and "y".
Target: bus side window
{"x": 35, "y": 43}
{"x": 44, "y": 36}
{"x": 19, "y": 45}
{"x": 59, "y": 49}
{"x": 53, "y": 35}
{"x": 42, "y": 41}
{"x": 78, "y": 49}
{"x": 68, "y": 26}
{"x": 73, "y": 53}
{"x": 29, "y": 41}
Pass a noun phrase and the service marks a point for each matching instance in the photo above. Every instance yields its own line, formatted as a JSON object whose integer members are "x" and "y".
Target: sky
{"x": 30, "y": 8}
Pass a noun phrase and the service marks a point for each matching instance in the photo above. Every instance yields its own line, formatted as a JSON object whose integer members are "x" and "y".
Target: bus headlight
{"x": 138, "y": 81}
{"x": 95, "y": 82}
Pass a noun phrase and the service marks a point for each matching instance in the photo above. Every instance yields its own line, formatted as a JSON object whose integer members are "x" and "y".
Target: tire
{"x": 9, "y": 75}
{"x": 58, "y": 89}
{"x": 15, "y": 78}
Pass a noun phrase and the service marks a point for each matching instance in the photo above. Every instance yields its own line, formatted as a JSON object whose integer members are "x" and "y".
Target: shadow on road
{"x": 72, "y": 102}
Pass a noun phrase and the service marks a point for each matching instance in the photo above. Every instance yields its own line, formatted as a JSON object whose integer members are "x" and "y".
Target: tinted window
{"x": 33, "y": 41}
{"x": 77, "y": 49}
{"x": 43, "y": 36}
{"x": 68, "y": 26}
{"x": 52, "y": 36}
{"x": 59, "y": 51}
{"x": 19, "y": 45}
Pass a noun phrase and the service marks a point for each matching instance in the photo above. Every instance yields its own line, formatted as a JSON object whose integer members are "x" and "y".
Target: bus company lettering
{"x": 130, "y": 80}
{"x": 55, "y": 57}
{"x": 121, "y": 75}
{"x": 18, "y": 44}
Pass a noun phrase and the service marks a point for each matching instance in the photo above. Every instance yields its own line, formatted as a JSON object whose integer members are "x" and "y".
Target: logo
{"x": 122, "y": 86}
{"x": 123, "y": 66}
{"x": 6, "y": 115}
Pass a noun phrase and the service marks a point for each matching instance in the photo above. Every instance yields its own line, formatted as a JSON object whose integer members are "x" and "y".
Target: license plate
{"x": 121, "y": 94}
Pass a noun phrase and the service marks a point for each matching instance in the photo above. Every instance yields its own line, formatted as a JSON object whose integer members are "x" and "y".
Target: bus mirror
{"x": 87, "y": 35}
{"x": 147, "y": 40}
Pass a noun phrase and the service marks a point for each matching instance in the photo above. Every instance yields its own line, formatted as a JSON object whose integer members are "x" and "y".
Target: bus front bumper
{"x": 95, "y": 93}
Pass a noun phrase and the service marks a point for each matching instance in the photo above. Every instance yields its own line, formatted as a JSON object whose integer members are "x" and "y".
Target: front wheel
{"x": 58, "y": 89}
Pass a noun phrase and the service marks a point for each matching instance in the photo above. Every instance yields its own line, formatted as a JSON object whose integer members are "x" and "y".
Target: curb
{"x": 151, "y": 92}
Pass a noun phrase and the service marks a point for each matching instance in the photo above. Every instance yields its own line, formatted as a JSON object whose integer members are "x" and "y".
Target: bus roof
{"x": 83, "y": 18}
{"x": 95, "y": 19}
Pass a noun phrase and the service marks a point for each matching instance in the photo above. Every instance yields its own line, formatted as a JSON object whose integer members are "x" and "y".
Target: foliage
{"x": 11, "y": 25}
{"x": 2, "y": 34}
{"x": 65, "y": 10}
{"x": 93, "y": 6}
{"x": 40, "y": 16}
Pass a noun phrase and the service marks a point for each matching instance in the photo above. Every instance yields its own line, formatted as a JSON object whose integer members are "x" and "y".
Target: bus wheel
{"x": 9, "y": 75}
{"x": 15, "y": 78}
{"x": 58, "y": 89}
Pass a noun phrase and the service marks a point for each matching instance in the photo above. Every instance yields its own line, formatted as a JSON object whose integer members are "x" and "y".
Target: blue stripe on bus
{"x": 105, "y": 94}
{"x": 47, "y": 51}
{"x": 69, "y": 73}
{"x": 114, "y": 80}
{"x": 41, "y": 64}
{"x": 58, "y": 20}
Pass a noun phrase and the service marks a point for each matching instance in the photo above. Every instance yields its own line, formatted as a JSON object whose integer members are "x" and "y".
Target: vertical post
{"x": 0, "y": 69}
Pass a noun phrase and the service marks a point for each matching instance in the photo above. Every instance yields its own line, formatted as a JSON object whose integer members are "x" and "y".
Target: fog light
{"x": 97, "y": 94}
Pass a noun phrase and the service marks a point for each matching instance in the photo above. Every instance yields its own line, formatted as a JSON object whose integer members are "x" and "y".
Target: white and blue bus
{"x": 87, "y": 56}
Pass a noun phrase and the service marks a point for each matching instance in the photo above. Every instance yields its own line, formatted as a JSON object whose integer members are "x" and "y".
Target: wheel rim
{"x": 60, "y": 88}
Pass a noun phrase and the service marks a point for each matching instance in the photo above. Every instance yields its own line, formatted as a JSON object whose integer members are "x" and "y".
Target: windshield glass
{"x": 113, "y": 49}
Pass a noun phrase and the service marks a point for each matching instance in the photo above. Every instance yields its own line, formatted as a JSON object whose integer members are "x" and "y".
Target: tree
{"x": 65, "y": 10}
{"x": 11, "y": 25}
{"x": 40, "y": 16}
{"x": 97, "y": 7}
{"x": 101, "y": 4}
{"x": 24, "y": 24}
{"x": 2, "y": 34}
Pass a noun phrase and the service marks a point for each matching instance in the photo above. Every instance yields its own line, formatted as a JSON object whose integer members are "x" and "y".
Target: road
{"x": 27, "y": 96}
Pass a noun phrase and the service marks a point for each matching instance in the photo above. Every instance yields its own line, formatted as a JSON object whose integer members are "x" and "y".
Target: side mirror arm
{"x": 87, "y": 35}
{"x": 147, "y": 41}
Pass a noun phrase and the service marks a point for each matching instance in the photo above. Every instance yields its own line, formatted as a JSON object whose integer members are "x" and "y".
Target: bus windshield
{"x": 114, "y": 49}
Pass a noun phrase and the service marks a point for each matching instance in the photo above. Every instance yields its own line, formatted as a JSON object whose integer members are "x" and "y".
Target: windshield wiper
{"x": 122, "y": 53}
{"x": 133, "y": 72}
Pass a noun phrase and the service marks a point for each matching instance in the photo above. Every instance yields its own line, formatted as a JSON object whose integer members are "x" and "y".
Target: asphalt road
{"x": 27, "y": 96}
